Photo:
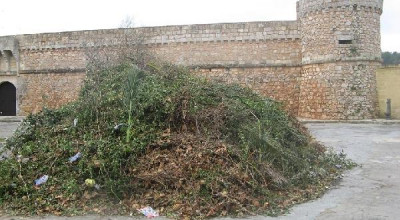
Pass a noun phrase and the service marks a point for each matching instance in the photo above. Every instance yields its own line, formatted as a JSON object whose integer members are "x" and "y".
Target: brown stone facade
{"x": 321, "y": 66}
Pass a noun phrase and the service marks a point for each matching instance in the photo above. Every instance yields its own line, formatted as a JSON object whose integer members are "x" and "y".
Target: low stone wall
{"x": 388, "y": 80}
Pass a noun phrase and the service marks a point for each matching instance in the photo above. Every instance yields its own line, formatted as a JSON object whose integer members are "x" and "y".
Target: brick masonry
{"x": 321, "y": 66}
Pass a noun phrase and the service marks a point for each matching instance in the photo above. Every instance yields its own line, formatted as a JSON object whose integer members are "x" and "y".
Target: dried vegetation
{"x": 151, "y": 134}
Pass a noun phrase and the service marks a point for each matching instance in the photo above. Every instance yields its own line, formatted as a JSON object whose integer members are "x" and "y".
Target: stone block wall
{"x": 279, "y": 83}
{"x": 50, "y": 90}
{"x": 254, "y": 43}
{"x": 343, "y": 91}
{"x": 62, "y": 60}
{"x": 321, "y": 66}
{"x": 239, "y": 32}
{"x": 280, "y": 52}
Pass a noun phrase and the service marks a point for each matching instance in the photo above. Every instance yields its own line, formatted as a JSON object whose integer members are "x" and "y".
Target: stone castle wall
{"x": 260, "y": 43}
{"x": 256, "y": 54}
{"x": 291, "y": 61}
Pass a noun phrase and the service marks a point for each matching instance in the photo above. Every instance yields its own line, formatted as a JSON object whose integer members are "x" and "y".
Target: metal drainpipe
{"x": 388, "y": 109}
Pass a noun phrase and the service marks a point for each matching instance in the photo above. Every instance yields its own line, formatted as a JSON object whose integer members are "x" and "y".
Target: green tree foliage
{"x": 391, "y": 58}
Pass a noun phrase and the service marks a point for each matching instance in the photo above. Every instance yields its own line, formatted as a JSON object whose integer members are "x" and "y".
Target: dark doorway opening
{"x": 345, "y": 42}
{"x": 8, "y": 99}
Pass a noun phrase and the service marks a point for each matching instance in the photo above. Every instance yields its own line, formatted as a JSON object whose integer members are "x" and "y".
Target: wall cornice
{"x": 306, "y": 7}
{"x": 343, "y": 59}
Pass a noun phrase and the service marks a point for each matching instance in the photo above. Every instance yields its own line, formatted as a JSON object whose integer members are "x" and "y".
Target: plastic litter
{"x": 118, "y": 127}
{"x": 20, "y": 159}
{"x": 97, "y": 186}
{"x": 149, "y": 212}
{"x": 75, "y": 122}
{"x": 41, "y": 180}
{"x": 90, "y": 182}
{"x": 75, "y": 158}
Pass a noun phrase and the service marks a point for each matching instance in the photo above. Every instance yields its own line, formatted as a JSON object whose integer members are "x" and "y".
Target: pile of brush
{"x": 158, "y": 136}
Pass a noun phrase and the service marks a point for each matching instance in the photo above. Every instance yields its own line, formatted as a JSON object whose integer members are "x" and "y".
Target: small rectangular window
{"x": 345, "y": 42}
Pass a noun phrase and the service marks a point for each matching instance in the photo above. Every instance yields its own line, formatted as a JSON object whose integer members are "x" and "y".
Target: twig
{"x": 22, "y": 178}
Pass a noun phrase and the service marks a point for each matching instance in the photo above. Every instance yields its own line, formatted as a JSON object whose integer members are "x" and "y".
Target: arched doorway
{"x": 8, "y": 99}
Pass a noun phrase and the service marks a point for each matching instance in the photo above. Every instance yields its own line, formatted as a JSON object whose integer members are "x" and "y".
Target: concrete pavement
{"x": 7, "y": 128}
{"x": 371, "y": 191}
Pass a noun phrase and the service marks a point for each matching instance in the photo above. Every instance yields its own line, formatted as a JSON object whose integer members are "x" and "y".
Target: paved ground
{"x": 6, "y": 130}
{"x": 369, "y": 192}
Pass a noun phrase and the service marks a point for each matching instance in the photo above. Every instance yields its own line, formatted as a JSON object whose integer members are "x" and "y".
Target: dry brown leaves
{"x": 192, "y": 177}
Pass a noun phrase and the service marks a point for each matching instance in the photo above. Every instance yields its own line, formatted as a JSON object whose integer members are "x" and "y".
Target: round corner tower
{"x": 341, "y": 51}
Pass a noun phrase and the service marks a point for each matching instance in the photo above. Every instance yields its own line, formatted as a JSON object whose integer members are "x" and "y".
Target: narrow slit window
{"x": 345, "y": 42}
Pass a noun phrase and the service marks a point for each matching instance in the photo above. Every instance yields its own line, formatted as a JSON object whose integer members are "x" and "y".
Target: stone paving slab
{"x": 11, "y": 118}
{"x": 7, "y": 129}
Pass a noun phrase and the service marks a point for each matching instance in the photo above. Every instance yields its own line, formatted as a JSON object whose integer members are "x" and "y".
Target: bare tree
{"x": 128, "y": 46}
{"x": 128, "y": 22}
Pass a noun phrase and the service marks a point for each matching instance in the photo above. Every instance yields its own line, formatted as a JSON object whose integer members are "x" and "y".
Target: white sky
{"x": 37, "y": 16}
